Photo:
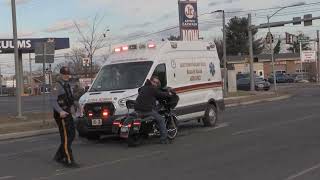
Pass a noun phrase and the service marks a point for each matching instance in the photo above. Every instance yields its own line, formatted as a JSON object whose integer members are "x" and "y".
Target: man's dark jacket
{"x": 148, "y": 94}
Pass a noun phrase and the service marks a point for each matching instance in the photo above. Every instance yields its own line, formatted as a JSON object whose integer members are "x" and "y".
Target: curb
{"x": 237, "y": 97}
{"x": 27, "y": 134}
{"x": 259, "y": 100}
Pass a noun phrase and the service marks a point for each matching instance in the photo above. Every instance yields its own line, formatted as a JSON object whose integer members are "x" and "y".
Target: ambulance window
{"x": 160, "y": 71}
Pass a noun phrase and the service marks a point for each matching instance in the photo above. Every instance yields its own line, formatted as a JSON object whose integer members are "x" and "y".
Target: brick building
{"x": 287, "y": 63}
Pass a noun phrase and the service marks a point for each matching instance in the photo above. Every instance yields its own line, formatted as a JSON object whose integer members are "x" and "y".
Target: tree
{"x": 219, "y": 45}
{"x": 238, "y": 37}
{"x": 277, "y": 48}
{"x": 296, "y": 46}
{"x": 93, "y": 40}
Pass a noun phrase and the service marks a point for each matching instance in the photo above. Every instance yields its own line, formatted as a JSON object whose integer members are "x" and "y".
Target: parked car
{"x": 260, "y": 84}
{"x": 300, "y": 77}
{"x": 281, "y": 78}
{"x": 243, "y": 75}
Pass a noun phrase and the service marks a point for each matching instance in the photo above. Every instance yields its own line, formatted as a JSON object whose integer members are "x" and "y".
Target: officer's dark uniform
{"x": 63, "y": 101}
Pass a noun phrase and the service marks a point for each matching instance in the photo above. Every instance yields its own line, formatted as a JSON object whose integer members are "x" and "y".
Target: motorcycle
{"x": 136, "y": 127}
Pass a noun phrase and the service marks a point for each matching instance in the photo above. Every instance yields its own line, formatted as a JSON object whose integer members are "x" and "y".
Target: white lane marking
{"x": 303, "y": 172}
{"x": 273, "y": 125}
{"x": 7, "y": 177}
{"x": 108, "y": 163}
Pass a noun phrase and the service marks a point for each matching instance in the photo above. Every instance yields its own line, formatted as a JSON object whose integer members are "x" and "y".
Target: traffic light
{"x": 289, "y": 38}
{"x": 269, "y": 38}
{"x": 307, "y": 20}
{"x": 296, "y": 20}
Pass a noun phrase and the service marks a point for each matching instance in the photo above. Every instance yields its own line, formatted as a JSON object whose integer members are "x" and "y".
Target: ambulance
{"x": 191, "y": 68}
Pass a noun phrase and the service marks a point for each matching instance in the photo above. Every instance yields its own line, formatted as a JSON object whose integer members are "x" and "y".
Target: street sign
{"x": 45, "y": 50}
{"x": 85, "y": 62}
{"x": 269, "y": 38}
{"x": 303, "y": 39}
{"x": 308, "y": 56}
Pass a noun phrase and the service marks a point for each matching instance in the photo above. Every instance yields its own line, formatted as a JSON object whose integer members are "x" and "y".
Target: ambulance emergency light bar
{"x": 134, "y": 46}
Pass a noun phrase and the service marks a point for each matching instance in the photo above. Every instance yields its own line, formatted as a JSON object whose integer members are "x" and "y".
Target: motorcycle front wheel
{"x": 172, "y": 127}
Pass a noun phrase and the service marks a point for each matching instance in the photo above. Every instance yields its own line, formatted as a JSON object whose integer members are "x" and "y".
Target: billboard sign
{"x": 29, "y": 45}
{"x": 188, "y": 16}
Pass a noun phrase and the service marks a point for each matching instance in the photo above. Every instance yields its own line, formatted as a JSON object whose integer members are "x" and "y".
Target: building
{"x": 288, "y": 63}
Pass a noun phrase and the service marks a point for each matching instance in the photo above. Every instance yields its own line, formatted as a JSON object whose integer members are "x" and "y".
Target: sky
{"x": 131, "y": 18}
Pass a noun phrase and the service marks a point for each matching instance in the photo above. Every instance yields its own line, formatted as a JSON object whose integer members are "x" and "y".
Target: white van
{"x": 191, "y": 68}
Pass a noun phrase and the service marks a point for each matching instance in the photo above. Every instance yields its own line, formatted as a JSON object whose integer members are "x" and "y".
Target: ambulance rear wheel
{"x": 211, "y": 116}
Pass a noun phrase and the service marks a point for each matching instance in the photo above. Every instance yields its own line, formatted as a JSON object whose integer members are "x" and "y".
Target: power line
{"x": 265, "y": 9}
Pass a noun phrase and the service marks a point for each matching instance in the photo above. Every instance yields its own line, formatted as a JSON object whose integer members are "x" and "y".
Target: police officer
{"x": 63, "y": 102}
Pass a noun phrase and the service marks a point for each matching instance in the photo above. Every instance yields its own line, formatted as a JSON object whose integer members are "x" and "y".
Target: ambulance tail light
{"x": 125, "y": 48}
{"x": 105, "y": 113}
{"x": 151, "y": 45}
{"x": 117, "y": 49}
{"x": 90, "y": 114}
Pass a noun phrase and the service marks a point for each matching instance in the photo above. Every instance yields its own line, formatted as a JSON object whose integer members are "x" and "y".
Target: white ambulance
{"x": 192, "y": 68}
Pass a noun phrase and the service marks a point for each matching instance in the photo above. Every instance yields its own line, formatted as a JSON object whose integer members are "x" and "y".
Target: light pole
{"x": 225, "y": 75}
{"x": 16, "y": 57}
{"x": 0, "y": 80}
{"x": 270, "y": 42}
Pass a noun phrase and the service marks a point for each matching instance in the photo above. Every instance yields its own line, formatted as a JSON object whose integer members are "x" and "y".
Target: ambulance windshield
{"x": 121, "y": 76}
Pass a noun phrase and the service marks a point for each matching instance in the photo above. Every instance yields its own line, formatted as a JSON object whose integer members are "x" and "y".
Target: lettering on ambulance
{"x": 194, "y": 70}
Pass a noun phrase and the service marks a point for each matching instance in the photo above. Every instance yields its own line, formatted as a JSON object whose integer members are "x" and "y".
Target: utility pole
{"x": 91, "y": 68}
{"x": 252, "y": 78}
{"x": 225, "y": 90}
{"x": 318, "y": 54}
{"x": 0, "y": 80}
{"x": 300, "y": 43}
{"x": 16, "y": 57}
{"x": 30, "y": 75}
{"x": 272, "y": 57}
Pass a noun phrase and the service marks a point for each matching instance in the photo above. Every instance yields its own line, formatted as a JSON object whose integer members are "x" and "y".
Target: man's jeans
{"x": 160, "y": 121}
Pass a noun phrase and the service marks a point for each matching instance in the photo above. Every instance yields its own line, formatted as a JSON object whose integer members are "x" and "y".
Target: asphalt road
{"x": 270, "y": 141}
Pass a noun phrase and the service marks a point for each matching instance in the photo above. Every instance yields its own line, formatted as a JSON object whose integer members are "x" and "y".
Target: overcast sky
{"x": 127, "y": 18}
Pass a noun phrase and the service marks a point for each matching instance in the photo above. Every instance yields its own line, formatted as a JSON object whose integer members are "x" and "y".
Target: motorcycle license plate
{"x": 124, "y": 132}
{"x": 96, "y": 122}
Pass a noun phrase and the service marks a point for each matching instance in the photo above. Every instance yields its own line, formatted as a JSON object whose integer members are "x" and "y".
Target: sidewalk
{"x": 255, "y": 97}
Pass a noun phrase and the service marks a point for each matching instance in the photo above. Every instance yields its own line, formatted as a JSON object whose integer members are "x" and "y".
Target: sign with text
{"x": 188, "y": 17}
{"x": 29, "y": 45}
{"x": 308, "y": 56}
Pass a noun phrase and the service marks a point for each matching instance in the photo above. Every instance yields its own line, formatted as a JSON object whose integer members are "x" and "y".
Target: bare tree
{"x": 94, "y": 39}
{"x": 74, "y": 60}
